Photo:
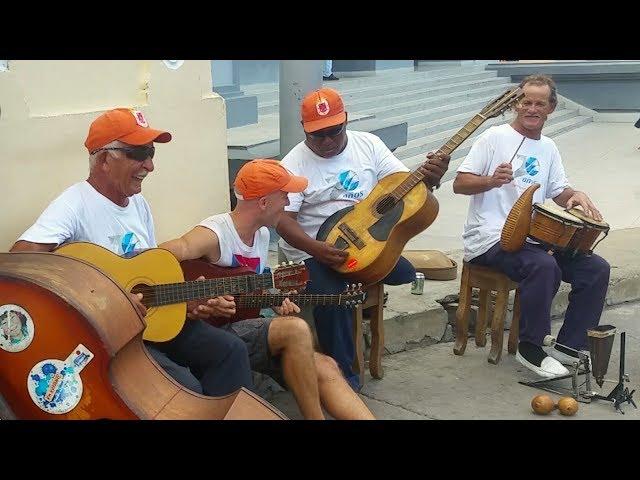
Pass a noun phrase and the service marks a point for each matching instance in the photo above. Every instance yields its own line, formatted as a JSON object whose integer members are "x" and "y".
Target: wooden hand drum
{"x": 583, "y": 239}
{"x": 553, "y": 227}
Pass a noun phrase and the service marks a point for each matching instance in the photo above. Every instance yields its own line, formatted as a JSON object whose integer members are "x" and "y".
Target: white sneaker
{"x": 562, "y": 357}
{"x": 548, "y": 368}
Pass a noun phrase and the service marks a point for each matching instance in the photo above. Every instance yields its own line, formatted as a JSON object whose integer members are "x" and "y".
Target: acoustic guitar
{"x": 375, "y": 231}
{"x": 157, "y": 274}
{"x": 71, "y": 348}
{"x": 248, "y": 305}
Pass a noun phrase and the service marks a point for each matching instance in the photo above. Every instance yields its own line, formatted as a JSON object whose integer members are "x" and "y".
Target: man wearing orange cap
{"x": 108, "y": 209}
{"x": 281, "y": 347}
{"x": 343, "y": 167}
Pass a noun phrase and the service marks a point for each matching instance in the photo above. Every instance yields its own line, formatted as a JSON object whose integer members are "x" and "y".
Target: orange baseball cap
{"x": 128, "y": 126}
{"x": 261, "y": 177}
{"x": 321, "y": 109}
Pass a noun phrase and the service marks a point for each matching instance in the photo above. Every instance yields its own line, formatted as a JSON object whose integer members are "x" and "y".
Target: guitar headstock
{"x": 353, "y": 296}
{"x": 503, "y": 103}
{"x": 290, "y": 276}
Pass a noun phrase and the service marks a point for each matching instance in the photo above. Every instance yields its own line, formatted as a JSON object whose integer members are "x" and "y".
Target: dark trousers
{"x": 205, "y": 359}
{"x": 538, "y": 275}
{"x": 334, "y": 324}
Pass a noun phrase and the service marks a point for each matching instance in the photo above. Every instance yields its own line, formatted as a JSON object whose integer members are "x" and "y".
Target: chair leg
{"x": 462, "y": 314}
{"x": 515, "y": 325}
{"x": 358, "y": 360}
{"x": 497, "y": 325}
{"x": 377, "y": 334}
{"x": 481, "y": 320}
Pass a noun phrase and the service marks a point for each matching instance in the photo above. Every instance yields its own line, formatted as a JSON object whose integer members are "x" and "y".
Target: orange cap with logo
{"x": 322, "y": 109}
{"x": 261, "y": 177}
{"x": 128, "y": 126}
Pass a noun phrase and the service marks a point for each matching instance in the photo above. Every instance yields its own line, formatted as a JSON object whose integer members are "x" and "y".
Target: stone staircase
{"x": 434, "y": 102}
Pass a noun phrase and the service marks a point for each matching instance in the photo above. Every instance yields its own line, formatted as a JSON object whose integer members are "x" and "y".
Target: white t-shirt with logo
{"x": 337, "y": 182}
{"x": 233, "y": 251}
{"x": 82, "y": 214}
{"x": 537, "y": 161}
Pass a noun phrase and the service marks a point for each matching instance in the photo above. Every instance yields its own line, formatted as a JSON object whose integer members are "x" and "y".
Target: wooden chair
{"x": 374, "y": 302}
{"x": 486, "y": 280}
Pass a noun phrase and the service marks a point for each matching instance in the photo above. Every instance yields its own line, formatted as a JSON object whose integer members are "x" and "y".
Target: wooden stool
{"x": 487, "y": 280}
{"x": 375, "y": 301}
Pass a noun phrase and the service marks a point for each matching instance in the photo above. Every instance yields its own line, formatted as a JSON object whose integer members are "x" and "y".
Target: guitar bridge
{"x": 351, "y": 235}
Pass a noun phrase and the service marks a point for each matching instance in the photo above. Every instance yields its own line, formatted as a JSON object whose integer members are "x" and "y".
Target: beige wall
{"x": 46, "y": 109}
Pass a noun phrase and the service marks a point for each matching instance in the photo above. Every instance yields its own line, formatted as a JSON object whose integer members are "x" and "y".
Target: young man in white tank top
{"x": 281, "y": 346}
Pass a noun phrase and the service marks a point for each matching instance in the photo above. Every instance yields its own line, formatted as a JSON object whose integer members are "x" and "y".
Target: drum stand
{"x": 619, "y": 394}
{"x": 600, "y": 350}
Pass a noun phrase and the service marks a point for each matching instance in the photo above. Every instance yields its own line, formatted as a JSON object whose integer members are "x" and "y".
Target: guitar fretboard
{"x": 270, "y": 300}
{"x": 454, "y": 142}
{"x": 168, "y": 293}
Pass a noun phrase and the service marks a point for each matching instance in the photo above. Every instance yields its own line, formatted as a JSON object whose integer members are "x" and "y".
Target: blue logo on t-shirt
{"x": 349, "y": 180}
{"x": 531, "y": 165}
{"x": 128, "y": 242}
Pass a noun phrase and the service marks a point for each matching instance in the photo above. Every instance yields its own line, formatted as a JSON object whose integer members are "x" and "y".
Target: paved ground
{"x": 433, "y": 383}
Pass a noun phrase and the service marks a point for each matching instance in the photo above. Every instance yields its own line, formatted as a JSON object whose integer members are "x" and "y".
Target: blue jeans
{"x": 334, "y": 324}
{"x": 327, "y": 68}
{"x": 205, "y": 359}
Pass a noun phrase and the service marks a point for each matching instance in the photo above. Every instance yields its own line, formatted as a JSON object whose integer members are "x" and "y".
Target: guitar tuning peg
{"x": 290, "y": 262}
{"x": 359, "y": 285}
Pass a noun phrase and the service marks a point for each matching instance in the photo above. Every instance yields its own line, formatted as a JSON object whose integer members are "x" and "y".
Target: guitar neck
{"x": 454, "y": 142}
{"x": 169, "y": 293}
{"x": 274, "y": 300}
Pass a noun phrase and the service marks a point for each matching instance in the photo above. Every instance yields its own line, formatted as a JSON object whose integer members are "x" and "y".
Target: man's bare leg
{"x": 290, "y": 338}
{"x": 337, "y": 397}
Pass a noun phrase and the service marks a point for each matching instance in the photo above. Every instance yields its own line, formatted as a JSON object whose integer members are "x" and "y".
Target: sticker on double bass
{"x": 55, "y": 386}
{"x": 16, "y": 328}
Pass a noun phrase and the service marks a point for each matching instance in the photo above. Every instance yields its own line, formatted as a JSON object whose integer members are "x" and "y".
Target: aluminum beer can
{"x": 417, "y": 286}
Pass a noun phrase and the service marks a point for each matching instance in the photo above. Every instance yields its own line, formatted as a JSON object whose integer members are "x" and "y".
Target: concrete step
{"x": 383, "y": 97}
{"x": 391, "y": 84}
{"x": 458, "y": 121}
{"x": 430, "y": 65}
{"x": 381, "y": 78}
{"x": 429, "y": 104}
{"x": 551, "y": 130}
{"x": 465, "y": 108}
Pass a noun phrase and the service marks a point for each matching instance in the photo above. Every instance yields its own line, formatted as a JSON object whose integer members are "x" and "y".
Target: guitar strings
{"x": 174, "y": 291}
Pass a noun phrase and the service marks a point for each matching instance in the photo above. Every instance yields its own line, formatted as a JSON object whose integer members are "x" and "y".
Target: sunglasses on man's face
{"x": 334, "y": 132}
{"x": 135, "y": 153}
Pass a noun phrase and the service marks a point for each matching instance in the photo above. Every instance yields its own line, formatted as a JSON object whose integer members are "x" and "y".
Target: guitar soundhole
{"x": 385, "y": 205}
{"x": 147, "y": 294}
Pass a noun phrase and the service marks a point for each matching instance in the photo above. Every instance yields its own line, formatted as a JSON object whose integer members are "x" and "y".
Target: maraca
{"x": 542, "y": 404}
{"x": 567, "y": 406}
